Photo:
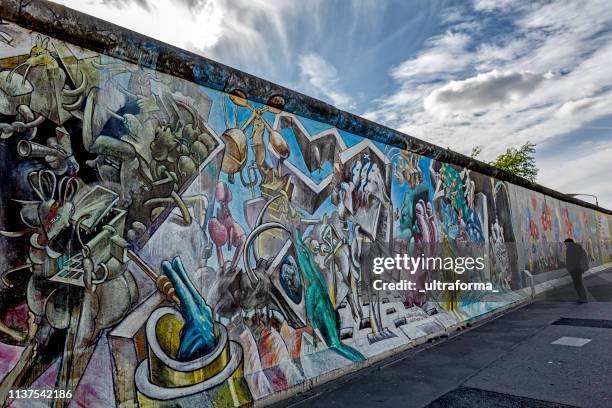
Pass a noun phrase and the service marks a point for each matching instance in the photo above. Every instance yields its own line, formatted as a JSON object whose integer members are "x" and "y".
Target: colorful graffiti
{"x": 545, "y": 223}
{"x": 165, "y": 244}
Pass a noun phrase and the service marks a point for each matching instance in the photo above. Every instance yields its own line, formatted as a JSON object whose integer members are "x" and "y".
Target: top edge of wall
{"x": 101, "y": 36}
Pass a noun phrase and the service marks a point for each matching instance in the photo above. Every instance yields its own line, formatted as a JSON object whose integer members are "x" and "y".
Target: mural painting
{"x": 165, "y": 244}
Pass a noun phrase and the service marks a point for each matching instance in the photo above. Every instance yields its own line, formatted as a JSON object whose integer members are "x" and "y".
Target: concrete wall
{"x": 171, "y": 243}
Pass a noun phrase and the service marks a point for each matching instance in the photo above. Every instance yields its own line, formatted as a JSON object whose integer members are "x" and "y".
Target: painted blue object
{"x": 197, "y": 335}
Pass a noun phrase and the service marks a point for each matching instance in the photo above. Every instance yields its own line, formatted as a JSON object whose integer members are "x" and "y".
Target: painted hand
{"x": 197, "y": 335}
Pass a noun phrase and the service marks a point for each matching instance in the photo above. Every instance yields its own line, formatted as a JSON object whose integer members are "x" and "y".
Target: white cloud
{"x": 571, "y": 108}
{"x": 262, "y": 37}
{"x": 587, "y": 171}
{"x": 200, "y": 23}
{"x": 490, "y": 5}
{"x": 251, "y": 35}
{"x": 492, "y": 55}
{"x": 445, "y": 54}
{"x": 549, "y": 76}
{"x": 323, "y": 77}
{"x": 481, "y": 92}
{"x": 123, "y": 3}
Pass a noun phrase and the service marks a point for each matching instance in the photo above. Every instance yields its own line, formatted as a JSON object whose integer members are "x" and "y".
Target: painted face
{"x": 367, "y": 179}
{"x": 290, "y": 279}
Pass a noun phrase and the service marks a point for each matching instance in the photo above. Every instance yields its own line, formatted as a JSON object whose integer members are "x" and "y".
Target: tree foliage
{"x": 520, "y": 162}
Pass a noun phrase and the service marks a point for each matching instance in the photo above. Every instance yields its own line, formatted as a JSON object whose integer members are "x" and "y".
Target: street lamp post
{"x": 584, "y": 194}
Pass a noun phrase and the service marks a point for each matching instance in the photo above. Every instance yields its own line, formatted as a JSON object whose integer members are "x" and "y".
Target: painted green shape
{"x": 454, "y": 189}
{"x": 321, "y": 314}
{"x": 407, "y": 224}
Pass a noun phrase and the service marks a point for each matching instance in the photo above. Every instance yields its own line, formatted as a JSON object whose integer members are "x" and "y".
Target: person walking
{"x": 577, "y": 262}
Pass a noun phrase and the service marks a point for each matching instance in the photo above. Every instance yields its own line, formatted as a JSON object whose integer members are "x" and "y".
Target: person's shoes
{"x": 582, "y": 301}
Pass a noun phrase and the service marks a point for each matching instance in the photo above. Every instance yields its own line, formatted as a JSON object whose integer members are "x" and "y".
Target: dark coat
{"x": 576, "y": 258}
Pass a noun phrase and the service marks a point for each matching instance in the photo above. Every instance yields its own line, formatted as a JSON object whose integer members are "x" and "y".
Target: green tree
{"x": 520, "y": 162}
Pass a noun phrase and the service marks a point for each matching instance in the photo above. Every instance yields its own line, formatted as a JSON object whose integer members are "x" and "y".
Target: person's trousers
{"x": 578, "y": 285}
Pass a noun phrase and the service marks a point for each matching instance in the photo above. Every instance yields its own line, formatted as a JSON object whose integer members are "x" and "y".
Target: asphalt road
{"x": 551, "y": 353}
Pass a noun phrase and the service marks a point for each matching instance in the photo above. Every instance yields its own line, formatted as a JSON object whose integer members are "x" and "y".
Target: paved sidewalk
{"x": 510, "y": 361}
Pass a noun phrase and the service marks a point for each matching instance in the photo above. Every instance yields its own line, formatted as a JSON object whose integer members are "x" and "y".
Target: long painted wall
{"x": 167, "y": 243}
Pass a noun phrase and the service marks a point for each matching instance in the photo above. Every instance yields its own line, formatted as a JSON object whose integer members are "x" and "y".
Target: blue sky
{"x": 492, "y": 73}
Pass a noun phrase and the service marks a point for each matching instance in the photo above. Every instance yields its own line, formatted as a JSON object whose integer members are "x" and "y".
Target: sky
{"x": 460, "y": 74}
